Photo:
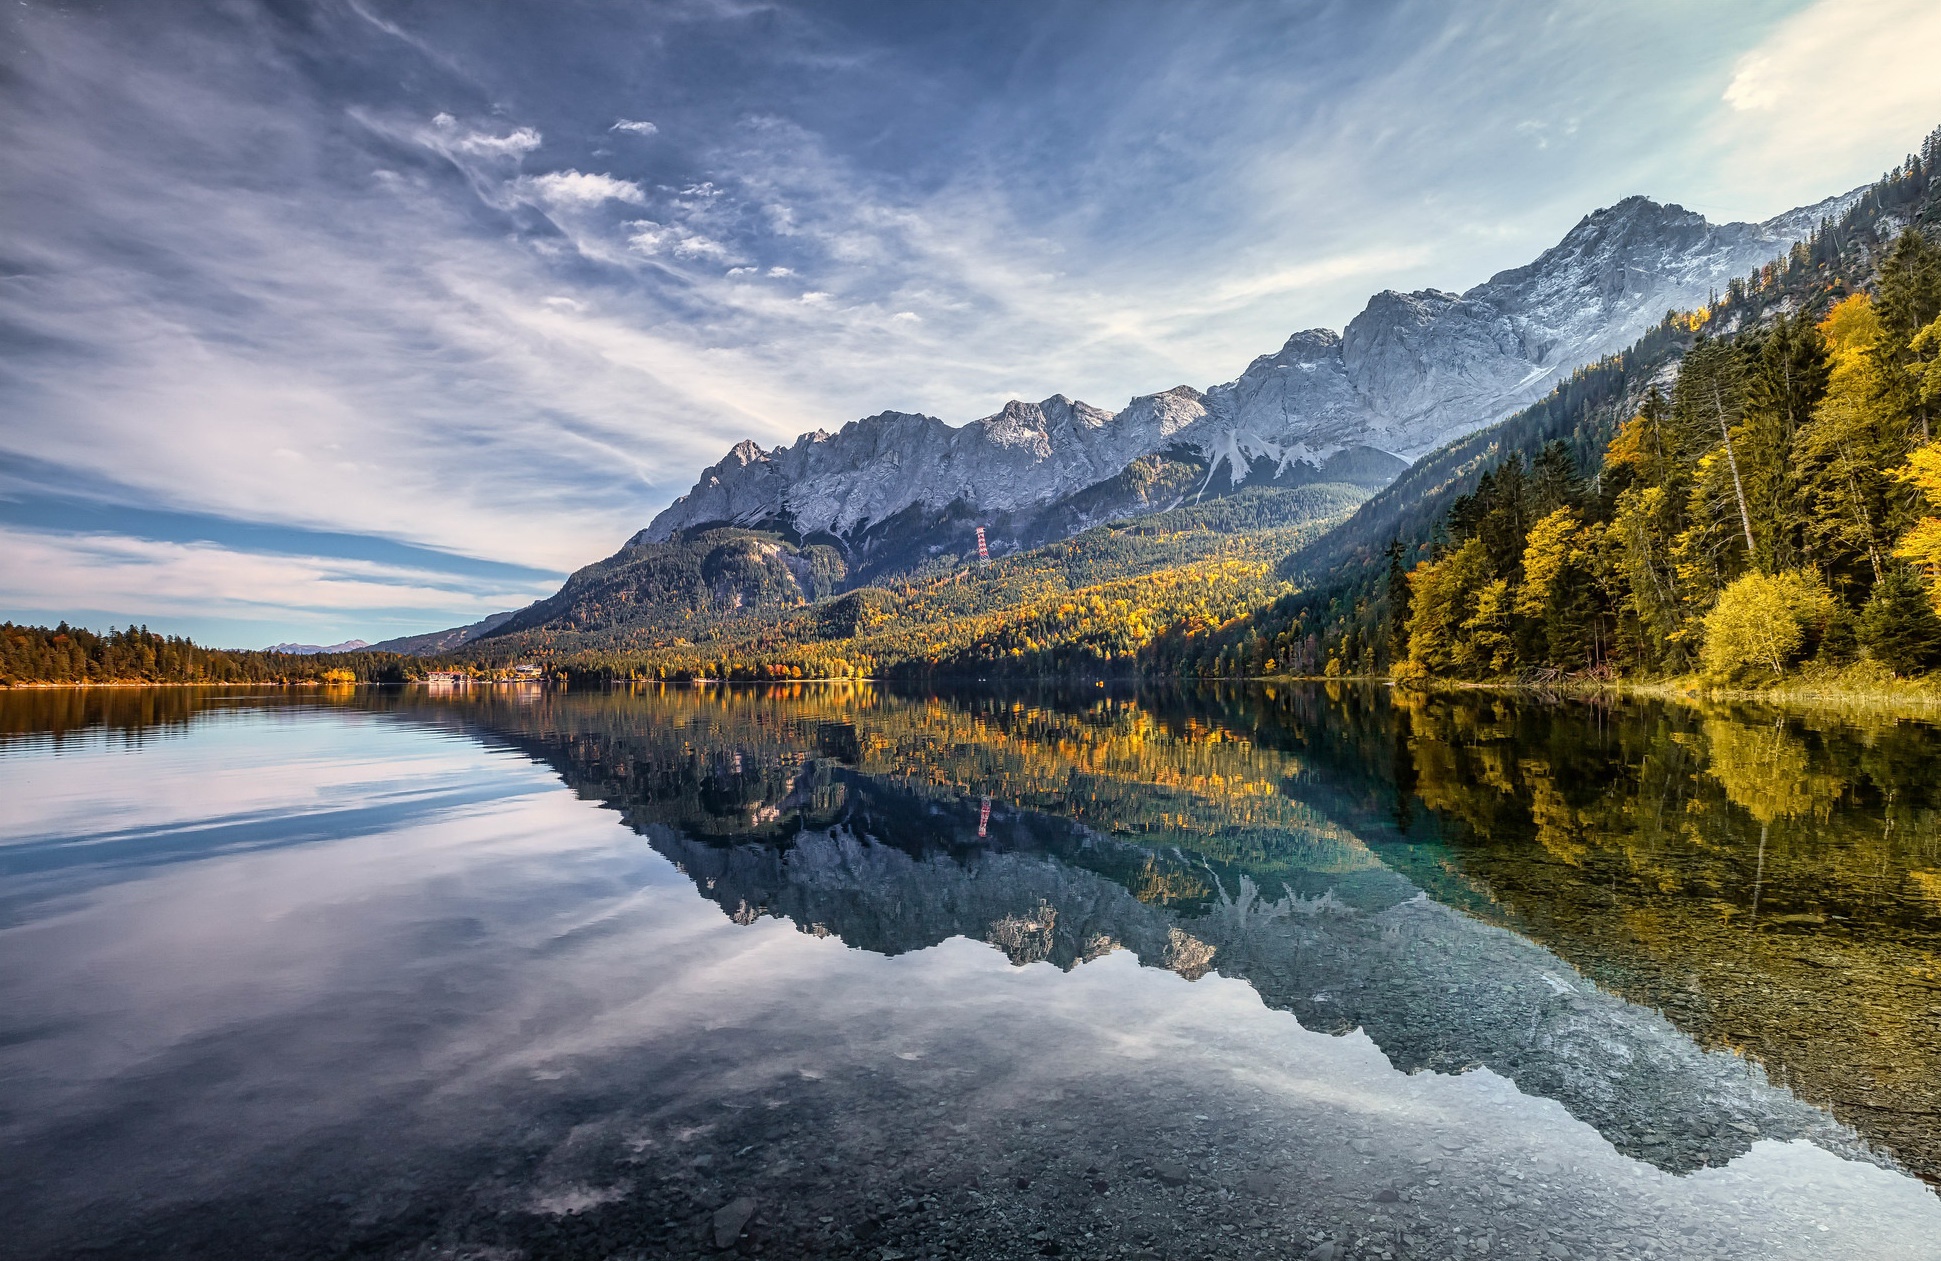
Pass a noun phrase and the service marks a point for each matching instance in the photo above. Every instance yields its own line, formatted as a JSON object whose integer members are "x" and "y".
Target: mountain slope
{"x": 731, "y": 602}
{"x": 1583, "y": 409}
{"x": 441, "y": 641}
{"x": 1406, "y": 375}
{"x": 1347, "y": 605}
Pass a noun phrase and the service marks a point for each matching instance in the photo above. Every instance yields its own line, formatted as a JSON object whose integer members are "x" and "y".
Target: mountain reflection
{"x": 1738, "y": 886}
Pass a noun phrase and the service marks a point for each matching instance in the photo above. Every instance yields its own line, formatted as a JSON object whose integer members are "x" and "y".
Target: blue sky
{"x": 335, "y": 318}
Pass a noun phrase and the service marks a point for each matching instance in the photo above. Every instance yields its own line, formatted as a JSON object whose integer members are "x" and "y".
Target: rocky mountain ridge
{"x": 1411, "y": 372}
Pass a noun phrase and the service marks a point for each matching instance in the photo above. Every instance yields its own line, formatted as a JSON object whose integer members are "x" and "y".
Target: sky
{"x": 330, "y": 319}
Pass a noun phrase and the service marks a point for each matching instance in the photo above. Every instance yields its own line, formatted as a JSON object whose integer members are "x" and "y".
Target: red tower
{"x": 983, "y": 552}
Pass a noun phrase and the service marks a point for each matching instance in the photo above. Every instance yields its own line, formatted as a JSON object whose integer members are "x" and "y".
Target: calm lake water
{"x": 837, "y": 971}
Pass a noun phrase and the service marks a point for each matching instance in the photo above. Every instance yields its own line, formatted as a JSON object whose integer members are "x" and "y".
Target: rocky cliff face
{"x": 871, "y": 469}
{"x": 1411, "y": 372}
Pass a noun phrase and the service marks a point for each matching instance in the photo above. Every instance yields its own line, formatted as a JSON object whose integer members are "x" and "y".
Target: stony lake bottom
{"x": 846, "y": 971}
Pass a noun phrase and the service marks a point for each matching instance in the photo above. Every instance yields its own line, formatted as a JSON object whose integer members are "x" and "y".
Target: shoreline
{"x": 1853, "y": 687}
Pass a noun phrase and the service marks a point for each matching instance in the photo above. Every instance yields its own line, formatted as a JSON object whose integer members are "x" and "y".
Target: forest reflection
{"x": 1770, "y": 882}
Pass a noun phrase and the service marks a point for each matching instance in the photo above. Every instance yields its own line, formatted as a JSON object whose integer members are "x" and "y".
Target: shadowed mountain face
{"x": 1410, "y": 372}
{"x": 1691, "y": 929}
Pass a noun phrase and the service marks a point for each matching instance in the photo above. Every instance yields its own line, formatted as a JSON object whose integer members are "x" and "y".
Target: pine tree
{"x": 1398, "y": 601}
{"x": 1784, "y": 386}
{"x": 1554, "y": 480}
{"x": 1899, "y": 627}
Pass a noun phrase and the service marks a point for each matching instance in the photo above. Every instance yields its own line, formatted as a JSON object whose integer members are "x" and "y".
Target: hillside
{"x": 740, "y": 603}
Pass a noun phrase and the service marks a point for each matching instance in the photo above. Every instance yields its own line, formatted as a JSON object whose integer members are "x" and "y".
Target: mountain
{"x": 1583, "y": 410}
{"x": 1348, "y": 593}
{"x": 1409, "y": 373}
{"x": 312, "y": 650}
{"x": 731, "y": 599}
{"x": 440, "y": 641}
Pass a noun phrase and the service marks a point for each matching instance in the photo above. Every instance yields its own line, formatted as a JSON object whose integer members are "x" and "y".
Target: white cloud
{"x": 1814, "y": 107}
{"x": 1847, "y": 66}
{"x": 649, "y": 238}
{"x": 577, "y": 190}
{"x": 639, "y": 127}
{"x": 520, "y": 141}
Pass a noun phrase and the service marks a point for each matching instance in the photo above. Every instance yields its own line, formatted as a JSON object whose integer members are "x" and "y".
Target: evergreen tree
{"x": 1785, "y": 384}
{"x": 1398, "y": 601}
{"x": 1651, "y": 454}
{"x": 1708, "y": 403}
{"x": 1899, "y": 627}
{"x": 1554, "y": 480}
{"x": 1910, "y": 291}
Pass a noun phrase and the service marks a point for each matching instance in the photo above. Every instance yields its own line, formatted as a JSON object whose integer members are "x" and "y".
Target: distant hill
{"x": 312, "y": 650}
{"x": 440, "y": 641}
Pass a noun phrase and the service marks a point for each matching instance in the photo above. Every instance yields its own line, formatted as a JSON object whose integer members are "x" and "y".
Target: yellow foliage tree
{"x": 1443, "y": 597}
{"x": 1553, "y": 543}
{"x": 1757, "y": 627}
{"x": 1922, "y": 544}
{"x": 1490, "y": 645}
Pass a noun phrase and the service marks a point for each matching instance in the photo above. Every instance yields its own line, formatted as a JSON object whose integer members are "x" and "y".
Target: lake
{"x": 1317, "y": 971}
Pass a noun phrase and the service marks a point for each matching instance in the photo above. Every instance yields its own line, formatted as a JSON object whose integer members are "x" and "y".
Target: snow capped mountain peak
{"x": 1409, "y": 373}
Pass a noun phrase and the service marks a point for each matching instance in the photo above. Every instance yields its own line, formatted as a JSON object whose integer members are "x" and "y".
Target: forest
{"x": 1777, "y": 506}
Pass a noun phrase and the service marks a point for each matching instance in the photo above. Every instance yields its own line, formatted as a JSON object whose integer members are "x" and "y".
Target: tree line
{"x": 135, "y": 654}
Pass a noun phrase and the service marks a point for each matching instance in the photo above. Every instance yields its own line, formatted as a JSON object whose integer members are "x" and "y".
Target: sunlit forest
{"x": 1778, "y": 506}
{"x": 1750, "y": 490}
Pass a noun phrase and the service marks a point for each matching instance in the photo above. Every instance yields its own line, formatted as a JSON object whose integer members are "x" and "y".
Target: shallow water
{"x": 821, "y": 971}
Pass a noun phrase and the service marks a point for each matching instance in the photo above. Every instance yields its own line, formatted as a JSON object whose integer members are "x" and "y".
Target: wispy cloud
{"x": 515, "y": 143}
{"x": 208, "y": 584}
{"x": 1835, "y": 93}
{"x": 639, "y": 127}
